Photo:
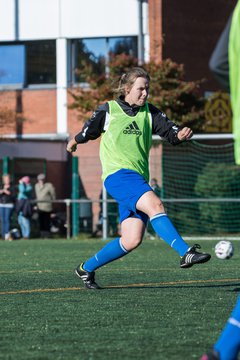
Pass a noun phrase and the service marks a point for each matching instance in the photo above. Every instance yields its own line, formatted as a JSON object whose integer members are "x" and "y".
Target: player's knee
{"x": 131, "y": 243}
{"x": 156, "y": 208}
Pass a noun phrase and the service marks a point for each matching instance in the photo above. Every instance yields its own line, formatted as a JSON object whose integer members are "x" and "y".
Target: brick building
{"x": 41, "y": 45}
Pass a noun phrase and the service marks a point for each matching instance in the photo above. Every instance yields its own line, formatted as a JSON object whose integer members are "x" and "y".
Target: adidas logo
{"x": 132, "y": 129}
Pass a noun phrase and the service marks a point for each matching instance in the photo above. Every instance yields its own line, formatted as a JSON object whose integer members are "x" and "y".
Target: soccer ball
{"x": 224, "y": 249}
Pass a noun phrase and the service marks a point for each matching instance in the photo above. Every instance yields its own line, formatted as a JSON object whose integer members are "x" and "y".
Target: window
{"x": 127, "y": 45}
{"x": 12, "y": 64}
{"x": 41, "y": 62}
{"x": 29, "y": 63}
{"x": 88, "y": 55}
{"x": 92, "y": 55}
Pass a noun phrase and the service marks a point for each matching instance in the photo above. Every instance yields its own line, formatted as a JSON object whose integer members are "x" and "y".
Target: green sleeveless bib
{"x": 126, "y": 142}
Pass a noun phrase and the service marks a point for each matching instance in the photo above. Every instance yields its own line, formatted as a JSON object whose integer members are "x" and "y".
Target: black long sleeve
{"x": 163, "y": 126}
{"x": 95, "y": 126}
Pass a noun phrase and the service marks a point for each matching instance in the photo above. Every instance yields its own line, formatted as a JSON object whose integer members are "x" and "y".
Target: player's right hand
{"x": 72, "y": 146}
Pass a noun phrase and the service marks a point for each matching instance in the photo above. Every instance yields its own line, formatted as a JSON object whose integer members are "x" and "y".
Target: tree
{"x": 7, "y": 120}
{"x": 179, "y": 99}
{"x": 11, "y": 120}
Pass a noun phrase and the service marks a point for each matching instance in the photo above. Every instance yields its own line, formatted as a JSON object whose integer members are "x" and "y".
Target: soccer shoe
{"x": 87, "y": 277}
{"x": 211, "y": 355}
{"x": 193, "y": 257}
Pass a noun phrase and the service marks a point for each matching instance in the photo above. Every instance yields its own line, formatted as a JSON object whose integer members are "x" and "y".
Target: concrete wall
{"x": 51, "y": 19}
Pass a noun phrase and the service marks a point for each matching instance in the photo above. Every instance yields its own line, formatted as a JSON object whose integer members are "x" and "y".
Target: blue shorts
{"x": 126, "y": 187}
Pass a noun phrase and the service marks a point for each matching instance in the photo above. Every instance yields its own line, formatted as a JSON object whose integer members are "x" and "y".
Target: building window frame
{"x": 74, "y": 79}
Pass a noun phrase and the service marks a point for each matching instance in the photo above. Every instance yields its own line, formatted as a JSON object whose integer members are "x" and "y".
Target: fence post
{"x": 68, "y": 217}
{"x": 5, "y": 169}
{"x": 75, "y": 196}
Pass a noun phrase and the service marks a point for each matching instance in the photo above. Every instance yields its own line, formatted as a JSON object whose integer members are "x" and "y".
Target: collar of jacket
{"x": 128, "y": 109}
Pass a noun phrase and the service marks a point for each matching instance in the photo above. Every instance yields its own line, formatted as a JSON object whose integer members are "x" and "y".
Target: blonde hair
{"x": 128, "y": 79}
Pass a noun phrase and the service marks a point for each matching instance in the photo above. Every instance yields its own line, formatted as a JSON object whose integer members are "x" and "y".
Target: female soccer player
{"x": 126, "y": 126}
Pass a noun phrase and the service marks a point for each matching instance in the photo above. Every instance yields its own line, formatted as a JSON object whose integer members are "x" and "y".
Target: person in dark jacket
{"x": 126, "y": 126}
{"x": 7, "y": 200}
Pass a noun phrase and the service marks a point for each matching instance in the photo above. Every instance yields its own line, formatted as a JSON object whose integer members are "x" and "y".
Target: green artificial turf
{"x": 149, "y": 308}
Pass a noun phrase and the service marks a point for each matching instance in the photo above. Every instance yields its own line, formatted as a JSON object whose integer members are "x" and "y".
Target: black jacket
{"x": 161, "y": 125}
{"x": 24, "y": 206}
{"x": 8, "y": 199}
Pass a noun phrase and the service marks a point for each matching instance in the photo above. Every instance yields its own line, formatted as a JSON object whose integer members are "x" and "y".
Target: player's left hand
{"x": 185, "y": 134}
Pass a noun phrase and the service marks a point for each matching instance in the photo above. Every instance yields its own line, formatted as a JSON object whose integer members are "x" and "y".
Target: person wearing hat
{"x": 45, "y": 194}
{"x": 23, "y": 206}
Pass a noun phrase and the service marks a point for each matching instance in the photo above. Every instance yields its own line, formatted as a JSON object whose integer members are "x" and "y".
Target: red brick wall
{"x": 155, "y": 29}
{"x": 38, "y": 109}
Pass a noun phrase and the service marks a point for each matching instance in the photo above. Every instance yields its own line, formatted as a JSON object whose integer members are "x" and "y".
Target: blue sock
{"x": 166, "y": 230}
{"x": 228, "y": 344}
{"x": 112, "y": 251}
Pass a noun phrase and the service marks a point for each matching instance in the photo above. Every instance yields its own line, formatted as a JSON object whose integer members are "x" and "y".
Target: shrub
{"x": 219, "y": 180}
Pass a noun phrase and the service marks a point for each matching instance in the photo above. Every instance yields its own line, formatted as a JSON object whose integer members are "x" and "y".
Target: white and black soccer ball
{"x": 224, "y": 249}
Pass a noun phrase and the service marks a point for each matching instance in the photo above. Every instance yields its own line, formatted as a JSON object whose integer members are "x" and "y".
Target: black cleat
{"x": 211, "y": 355}
{"x": 193, "y": 257}
{"x": 87, "y": 277}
